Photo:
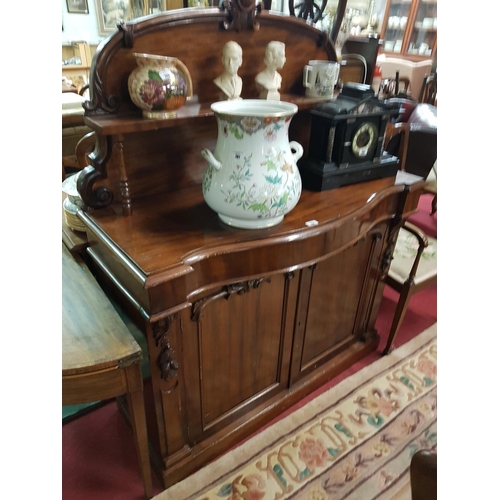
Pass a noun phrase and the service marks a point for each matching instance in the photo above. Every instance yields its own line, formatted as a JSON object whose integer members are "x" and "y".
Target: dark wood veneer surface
{"x": 188, "y": 230}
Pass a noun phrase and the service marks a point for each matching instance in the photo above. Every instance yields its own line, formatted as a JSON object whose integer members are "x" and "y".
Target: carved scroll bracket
{"x": 226, "y": 293}
{"x": 99, "y": 197}
{"x": 166, "y": 361}
{"x": 94, "y": 198}
{"x": 100, "y": 102}
{"x": 128, "y": 34}
{"x": 241, "y": 14}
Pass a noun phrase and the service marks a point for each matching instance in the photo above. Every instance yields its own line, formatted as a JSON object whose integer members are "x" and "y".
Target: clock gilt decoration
{"x": 346, "y": 141}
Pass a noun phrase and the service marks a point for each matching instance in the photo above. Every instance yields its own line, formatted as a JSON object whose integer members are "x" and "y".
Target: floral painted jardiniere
{"x": 252, "y": 180}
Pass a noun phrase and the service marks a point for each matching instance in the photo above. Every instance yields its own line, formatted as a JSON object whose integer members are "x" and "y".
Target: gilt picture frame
{"x": 110, "y": 12}
{"x": 77, "y": 6}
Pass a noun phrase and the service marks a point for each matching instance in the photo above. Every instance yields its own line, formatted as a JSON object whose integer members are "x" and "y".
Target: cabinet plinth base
{"x": 219, "y": 443}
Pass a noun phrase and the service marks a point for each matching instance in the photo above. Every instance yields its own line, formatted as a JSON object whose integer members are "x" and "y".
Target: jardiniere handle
{"x": 299, "y": 150}
{"x": 209, "y": 156}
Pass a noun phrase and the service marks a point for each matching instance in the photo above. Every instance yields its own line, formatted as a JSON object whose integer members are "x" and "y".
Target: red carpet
{"x": 422, "y": 219}
{"x": 98, "y": 456}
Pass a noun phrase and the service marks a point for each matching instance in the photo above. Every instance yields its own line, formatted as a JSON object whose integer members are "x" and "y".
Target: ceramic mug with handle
{"x": 320, "y": 78}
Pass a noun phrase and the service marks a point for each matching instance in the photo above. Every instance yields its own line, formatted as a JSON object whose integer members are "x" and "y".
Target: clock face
{"x": 364, "y": 139}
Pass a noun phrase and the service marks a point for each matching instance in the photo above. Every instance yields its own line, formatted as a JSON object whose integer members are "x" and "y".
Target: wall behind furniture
{"x": 80, "y": 27}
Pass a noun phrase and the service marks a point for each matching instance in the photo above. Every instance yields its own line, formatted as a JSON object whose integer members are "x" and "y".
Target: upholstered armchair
{"x": 413, "y": 138}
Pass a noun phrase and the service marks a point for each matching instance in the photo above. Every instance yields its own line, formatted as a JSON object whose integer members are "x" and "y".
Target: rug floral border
{"x": 357, "y": 448}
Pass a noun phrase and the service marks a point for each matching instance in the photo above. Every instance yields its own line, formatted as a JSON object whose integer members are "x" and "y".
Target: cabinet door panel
{"x": 240, "y": 340}
{"x": 335, "y": 291}
{"x": 334, "y": 300}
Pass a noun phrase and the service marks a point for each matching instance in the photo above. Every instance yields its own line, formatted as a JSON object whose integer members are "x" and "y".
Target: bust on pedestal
{"x": 269, "y": 80}
{"x": 229, "y": 82}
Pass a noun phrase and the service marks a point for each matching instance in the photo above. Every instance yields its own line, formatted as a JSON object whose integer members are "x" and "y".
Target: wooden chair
{"x": 413, "y": 268}
{"x": 431, "y": 187}
{"x": 397, "y": 86}
{"x": 74, "y": 129}
{"x": 415, "y": 71}
{"x": 353, "y": 68}
{"x": 414, "y": 141}
{"x": 100, "y": 357}
{"x": 428, "y": 94}
{"x": 85, "y": 146}
{"x": 80, "y": 159}
{"x": 69, "y": 87}
{"x": 423, "y": 475}
{"x": 307, "y": 9}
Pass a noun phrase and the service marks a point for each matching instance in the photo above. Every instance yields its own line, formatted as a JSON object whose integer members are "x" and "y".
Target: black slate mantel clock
{"x": 346, "y": 140}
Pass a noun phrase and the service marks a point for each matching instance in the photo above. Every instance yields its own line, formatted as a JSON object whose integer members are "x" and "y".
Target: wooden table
{"x": 100, "y": 358}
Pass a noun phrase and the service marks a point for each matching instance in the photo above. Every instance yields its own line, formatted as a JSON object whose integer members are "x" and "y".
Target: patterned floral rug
{"x": 353, "y": 442}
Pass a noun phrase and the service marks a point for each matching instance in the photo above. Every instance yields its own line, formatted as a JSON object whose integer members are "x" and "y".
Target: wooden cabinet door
{"x": 237, "y": 351}
{"x": 335, "y": 303}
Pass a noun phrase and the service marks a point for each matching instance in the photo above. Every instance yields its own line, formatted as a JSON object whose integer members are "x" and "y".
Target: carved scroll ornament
{"x": 166, "y": 361}
{"x": 241, "y": 14}
{"x": 226, "y": 293}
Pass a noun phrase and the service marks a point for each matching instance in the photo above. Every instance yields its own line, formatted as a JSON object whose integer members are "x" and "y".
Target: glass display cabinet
{"x": 394, "y": 26}
{"x": 410, "y": 28}
{"x": 423, "y": 34}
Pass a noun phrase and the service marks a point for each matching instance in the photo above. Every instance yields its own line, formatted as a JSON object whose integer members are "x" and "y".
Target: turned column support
{"x": 124, "y": 185}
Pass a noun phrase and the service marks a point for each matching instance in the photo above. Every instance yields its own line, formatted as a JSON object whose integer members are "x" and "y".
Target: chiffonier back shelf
{"x": 136, "y": 157}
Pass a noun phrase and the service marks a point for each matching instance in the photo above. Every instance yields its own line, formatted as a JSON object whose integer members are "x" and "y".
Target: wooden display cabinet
{"x": 240, "y": 324}
{"x": 82, "y": 53}
{"x": 415, "y": 39}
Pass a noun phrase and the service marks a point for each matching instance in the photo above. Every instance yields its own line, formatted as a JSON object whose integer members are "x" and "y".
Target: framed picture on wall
{"x": 109, "y": 12}
{"x": 78, "y": 6}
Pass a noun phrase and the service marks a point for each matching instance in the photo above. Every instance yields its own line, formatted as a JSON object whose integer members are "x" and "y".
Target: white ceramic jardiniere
{"x": 252, "y": 179}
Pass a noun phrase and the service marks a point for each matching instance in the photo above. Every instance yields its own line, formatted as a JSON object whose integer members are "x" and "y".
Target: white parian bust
{"x": 229, "y": 82}
{"x": 269, "y": 80}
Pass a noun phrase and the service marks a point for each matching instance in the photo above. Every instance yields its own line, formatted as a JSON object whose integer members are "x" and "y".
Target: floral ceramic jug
{"x": 252, "y": 180}
{"x": 160, "y": 85}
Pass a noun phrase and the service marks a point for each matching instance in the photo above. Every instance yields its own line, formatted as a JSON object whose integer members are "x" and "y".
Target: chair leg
{"x": 434, "y": 205}
{"x": 401, "y": 307}
{"x": 423, "y": 475}
{"x": 137, "y": 411}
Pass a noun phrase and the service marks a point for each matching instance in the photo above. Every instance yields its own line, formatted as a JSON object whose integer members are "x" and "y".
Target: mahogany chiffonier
{"x": 240, "y": 324}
